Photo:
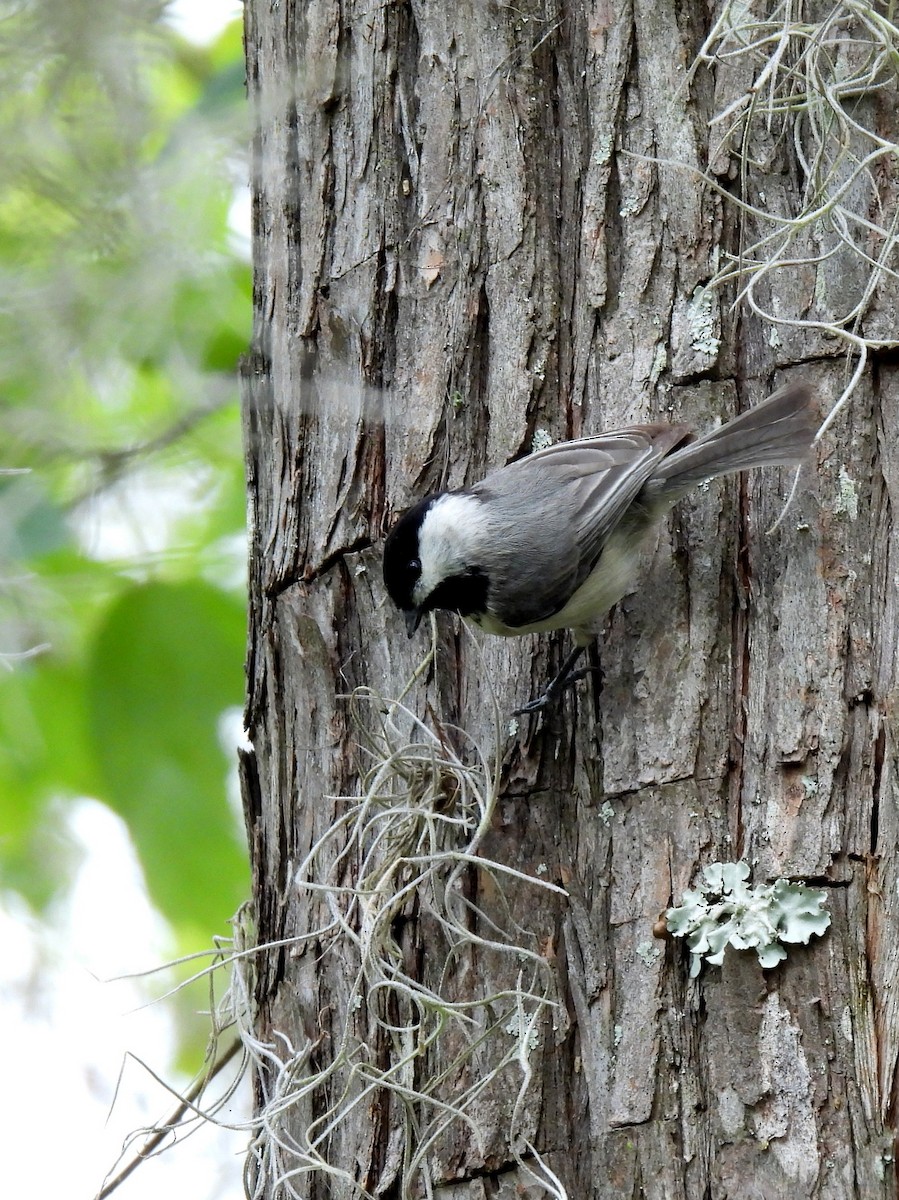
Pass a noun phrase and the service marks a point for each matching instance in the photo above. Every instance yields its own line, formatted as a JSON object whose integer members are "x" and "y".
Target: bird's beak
{"x": 413, "y": 619}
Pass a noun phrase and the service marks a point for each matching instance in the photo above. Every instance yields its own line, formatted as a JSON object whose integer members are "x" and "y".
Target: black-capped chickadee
{"x": 553, "y": 540}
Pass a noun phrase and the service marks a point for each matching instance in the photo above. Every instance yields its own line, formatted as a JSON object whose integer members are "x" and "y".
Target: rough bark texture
{"x": 461, "y": 239}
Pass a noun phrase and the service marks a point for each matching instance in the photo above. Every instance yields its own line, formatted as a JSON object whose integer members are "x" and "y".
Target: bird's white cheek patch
{"x": 453, "y": 525}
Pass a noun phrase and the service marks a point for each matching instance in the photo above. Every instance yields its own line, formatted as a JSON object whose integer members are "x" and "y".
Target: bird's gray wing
{"x": 557, "y": 509}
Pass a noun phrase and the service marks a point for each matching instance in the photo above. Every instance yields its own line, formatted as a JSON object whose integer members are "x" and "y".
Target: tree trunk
{"x": 477, "y": 225}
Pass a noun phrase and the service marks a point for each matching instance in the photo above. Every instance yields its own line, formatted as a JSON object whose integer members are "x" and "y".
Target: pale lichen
{"x": 702, "y": 323}
{"x": 846, "y": 503}
{"x": 724, "y": 910}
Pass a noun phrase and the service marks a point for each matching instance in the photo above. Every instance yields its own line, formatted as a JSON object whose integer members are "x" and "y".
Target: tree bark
{"x": 477, "y": 224}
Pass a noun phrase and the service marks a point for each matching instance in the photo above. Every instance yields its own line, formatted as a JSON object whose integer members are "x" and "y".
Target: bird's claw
{"x": 534, "y": 705}
{"x": 553, "y": 692}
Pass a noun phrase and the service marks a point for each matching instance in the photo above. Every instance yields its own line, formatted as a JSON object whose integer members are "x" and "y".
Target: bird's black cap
{"x": 402, "y": 564}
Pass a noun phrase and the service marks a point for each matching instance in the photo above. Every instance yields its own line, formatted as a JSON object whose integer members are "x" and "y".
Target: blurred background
{"x": 125, "y": 303}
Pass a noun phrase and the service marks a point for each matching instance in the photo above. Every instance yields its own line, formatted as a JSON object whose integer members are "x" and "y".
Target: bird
{"x": 553, "y": 540}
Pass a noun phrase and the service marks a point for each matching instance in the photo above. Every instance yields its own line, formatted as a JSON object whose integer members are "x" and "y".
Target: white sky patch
{"x": 135, "y": 518}
{"x": 201, "y": 21}
{"x": 67, "y": 1034}
{"x": 240, "y": 221}
{"x": 233, "y": 736}
{"x": 224, "y": 562}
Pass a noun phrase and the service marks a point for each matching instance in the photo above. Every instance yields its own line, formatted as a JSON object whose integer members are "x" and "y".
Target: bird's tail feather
{"x": 777, "y": 432}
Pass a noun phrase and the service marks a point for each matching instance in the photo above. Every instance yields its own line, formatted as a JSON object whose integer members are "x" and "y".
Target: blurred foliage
{"x": 125, "y": 302}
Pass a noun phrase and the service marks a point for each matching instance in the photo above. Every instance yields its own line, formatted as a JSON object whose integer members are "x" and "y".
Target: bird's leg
{"x": 565, "y": 678}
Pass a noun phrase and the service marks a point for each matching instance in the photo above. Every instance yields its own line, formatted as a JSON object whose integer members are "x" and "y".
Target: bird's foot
{"x": 562, "y": 682}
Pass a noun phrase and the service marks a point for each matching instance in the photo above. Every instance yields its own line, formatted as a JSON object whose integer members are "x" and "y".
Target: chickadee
{"x": 553, "y": 540}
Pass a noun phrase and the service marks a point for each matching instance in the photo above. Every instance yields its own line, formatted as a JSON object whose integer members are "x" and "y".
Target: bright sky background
{"x": 67, "y": 1034}
{"x": 201, "y": 20}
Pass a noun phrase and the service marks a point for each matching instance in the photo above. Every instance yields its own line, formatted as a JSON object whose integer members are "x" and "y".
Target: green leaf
{"x": 166, "y": 663}
{"x": 42, "y": 757}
